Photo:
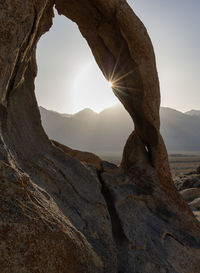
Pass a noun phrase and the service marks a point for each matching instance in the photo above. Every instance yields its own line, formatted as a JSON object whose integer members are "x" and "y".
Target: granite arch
{"x": 57, "y": 206}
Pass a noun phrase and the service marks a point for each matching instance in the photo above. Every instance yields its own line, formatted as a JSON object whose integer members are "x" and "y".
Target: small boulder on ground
{"x": 197, "y": 215}
{"x": 195, "y": 204}
{"x": 190, "y": 194}
{"x": 198, "y": 170}
{"x": 190, "y": 180}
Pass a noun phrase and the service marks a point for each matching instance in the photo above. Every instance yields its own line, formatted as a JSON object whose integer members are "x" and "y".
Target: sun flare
{"x": 92, "y": 90}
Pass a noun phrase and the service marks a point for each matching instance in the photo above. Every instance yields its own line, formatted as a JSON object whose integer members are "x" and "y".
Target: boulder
{"x": 195, "y": 204}
{"x": 190, "y": 180}
{"x": 198, "y": 170}
{"x": 197, "y": 215}
{"x": 190, "y": 194}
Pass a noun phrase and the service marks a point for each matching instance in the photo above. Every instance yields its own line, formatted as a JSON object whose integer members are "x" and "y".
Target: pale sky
{"x": 69, "y": 80}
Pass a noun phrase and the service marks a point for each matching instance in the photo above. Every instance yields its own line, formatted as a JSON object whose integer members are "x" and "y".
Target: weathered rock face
{"x": 60, "y": 214}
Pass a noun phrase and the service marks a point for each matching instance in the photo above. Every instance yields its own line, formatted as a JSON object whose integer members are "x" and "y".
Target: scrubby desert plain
{"x": 183, "y": 163}
{"x": 180, "y": 163}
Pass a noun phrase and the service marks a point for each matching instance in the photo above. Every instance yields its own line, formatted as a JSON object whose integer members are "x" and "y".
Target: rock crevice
{"x": 119, "y": 238}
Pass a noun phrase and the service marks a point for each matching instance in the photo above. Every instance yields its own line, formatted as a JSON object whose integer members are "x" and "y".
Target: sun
{"x": 92, "y": 90}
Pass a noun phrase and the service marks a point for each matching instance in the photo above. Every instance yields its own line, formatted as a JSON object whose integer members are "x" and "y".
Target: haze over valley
{"x": 106, "y": 133}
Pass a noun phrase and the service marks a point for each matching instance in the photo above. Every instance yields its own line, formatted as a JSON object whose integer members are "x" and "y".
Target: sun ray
{"x": 123, "y": 76}
{"x": 125, "y": 87}
{"x": 115, "y": 66}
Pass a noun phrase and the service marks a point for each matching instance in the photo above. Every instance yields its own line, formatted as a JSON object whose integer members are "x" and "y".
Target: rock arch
{"x": 48, "y": 197}
{"x": 123, "y": 51}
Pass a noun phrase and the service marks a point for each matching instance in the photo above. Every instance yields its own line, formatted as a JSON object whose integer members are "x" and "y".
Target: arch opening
{"x": 86, "y": 115}
{"x": 69, "y": 79}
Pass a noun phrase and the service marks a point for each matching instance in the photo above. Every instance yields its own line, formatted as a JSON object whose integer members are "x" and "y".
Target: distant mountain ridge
{"x": 195, "y": 113}
{"x": 107, "y": 132}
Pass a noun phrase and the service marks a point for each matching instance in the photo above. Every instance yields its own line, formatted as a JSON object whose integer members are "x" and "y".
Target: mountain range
{"x": 106, "y": 133}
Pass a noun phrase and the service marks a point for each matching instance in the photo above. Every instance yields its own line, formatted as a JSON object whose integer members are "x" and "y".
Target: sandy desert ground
{"x": 179, "y": 163}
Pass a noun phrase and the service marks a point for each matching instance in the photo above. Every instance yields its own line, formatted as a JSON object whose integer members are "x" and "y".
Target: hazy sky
{"x": 69, "y": 80}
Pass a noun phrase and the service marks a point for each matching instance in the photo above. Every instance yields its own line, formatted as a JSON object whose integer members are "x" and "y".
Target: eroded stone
{"x": 58, "y": 214}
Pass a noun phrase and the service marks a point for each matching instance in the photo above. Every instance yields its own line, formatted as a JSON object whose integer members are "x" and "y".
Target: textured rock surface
{"x": 86, "y": 157}
{"x": 59, "y": 214}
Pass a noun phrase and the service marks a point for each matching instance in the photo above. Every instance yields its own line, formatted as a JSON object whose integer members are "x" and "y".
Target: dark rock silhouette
{"x": 59, "y": 214}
